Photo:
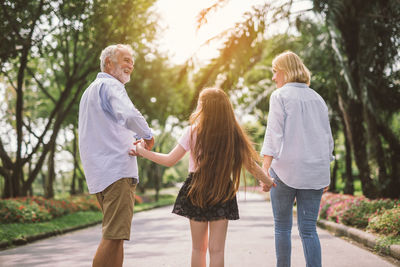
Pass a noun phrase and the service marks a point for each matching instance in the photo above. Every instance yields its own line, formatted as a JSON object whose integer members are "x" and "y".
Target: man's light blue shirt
{"x": 299, "y": 137}
{"x": 108, "y": 125}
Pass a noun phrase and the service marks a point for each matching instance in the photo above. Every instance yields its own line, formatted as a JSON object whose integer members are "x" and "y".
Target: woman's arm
{"x": 168, "y": 160}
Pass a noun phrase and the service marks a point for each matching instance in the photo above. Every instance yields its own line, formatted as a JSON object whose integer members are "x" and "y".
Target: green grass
{"x": 9, "y": 232}
{"x": 163, "y": 200}
{"x": 25, "y": 232}
{"x": 384, "y": 242}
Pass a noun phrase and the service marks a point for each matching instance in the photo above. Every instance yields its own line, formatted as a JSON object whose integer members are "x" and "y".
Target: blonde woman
{"x": 219, "y": 148}
{"x": 297, "y": 152}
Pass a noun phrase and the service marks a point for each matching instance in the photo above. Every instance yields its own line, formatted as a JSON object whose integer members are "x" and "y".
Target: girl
{"x": 218, "y": 150}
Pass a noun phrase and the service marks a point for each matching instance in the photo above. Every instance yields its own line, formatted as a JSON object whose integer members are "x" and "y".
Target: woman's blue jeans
{"x": 308, "y": 201}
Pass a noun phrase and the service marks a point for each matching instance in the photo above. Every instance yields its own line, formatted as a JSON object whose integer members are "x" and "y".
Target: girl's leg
{"x": 216, "y": 244}
{"x": 307, "y": 213}
{"x": 282, "y": 198}
{"x": 199, "y": 232}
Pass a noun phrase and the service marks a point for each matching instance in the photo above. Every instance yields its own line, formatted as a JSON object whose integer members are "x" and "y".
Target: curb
{"x": 367, "y": 239}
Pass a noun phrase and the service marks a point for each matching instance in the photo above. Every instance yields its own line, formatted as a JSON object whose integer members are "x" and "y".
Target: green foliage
{"x": 386, "y": 222}
{"x": 12, "y": 211}
{"x": 360, "y": 211}
{"x": 38, "y": 209}
{"x": 328, "y": 200}
{"x": 12, "y": 231}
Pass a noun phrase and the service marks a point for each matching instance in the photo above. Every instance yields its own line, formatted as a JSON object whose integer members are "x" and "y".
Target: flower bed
{"x": 38, "y": 209}
{"x": 379, "y": 215}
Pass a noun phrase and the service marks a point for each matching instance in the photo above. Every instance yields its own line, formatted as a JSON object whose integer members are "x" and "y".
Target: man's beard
{"x": 121, "y": 75}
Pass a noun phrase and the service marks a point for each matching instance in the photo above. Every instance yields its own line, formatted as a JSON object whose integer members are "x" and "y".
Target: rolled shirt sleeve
{"x": 275, "y": 127}
{"x": 116, "y": 102}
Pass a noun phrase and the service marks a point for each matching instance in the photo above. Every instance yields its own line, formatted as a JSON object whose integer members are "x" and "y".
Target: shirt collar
{"x": 106, "y": 75}
{"x": 302, "y": 85}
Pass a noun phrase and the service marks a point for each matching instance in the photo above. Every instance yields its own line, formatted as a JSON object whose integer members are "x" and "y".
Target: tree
{"x": 55, "y": 57}
{"x": 365, "y": 38}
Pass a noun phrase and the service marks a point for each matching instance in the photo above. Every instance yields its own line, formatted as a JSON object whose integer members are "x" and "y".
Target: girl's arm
{"x": 267, "y": 163}
{"x": 168, "y": 160}
{"x": 259, "y": 174}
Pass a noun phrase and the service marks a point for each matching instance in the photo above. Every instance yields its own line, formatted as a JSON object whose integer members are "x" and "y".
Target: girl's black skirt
{"x": 220, "y": 211}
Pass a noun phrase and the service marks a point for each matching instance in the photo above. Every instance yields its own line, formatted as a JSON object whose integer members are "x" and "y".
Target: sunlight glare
{"x": 182, "y": 41}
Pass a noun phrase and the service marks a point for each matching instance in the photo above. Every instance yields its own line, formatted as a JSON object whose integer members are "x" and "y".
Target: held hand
{"x": 139, "y": 148}
{"x": 267, "y": 187}
{"x": 270, "y": 182}
{"x": 149, "y": 143}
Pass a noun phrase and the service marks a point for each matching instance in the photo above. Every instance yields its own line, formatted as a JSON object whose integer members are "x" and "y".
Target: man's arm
{"x": 115, "y": 101}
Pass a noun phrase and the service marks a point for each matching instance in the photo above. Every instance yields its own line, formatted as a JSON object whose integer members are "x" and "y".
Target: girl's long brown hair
{"x": 220, "y": 151}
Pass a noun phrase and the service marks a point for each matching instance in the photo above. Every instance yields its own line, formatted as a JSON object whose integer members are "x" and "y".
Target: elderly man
{"x": 108, "y": 125}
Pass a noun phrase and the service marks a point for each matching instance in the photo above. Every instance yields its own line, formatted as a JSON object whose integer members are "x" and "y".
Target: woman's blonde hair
{"x": 292, "y": 66}
{"x": 220, "y": 150}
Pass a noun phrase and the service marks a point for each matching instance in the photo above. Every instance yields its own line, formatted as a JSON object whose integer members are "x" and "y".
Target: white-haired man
{"x": 108, "y": 125}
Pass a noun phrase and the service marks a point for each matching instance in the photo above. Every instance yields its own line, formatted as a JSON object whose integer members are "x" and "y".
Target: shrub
{"x": 359, "y": 214}
{"x": 35, "y": 209}
{"x": 86, "y": 202}
{"x": 353, "y": 211}
{"x": 329, "y": 199}
{"x": 386, "y": 222}
{"x": 138, "y": 199}
{"x": 15, "y": 211}
{"x": 335, "y": 212}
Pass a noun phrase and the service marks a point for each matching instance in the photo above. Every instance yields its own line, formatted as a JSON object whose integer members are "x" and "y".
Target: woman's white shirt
{"x": 299, "y": 137}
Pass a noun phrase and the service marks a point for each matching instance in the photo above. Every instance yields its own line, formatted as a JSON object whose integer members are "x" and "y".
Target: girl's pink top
{"x": 184, "y": 141}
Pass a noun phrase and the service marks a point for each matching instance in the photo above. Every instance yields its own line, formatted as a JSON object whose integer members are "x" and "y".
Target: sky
{"x": 178, "y": 19}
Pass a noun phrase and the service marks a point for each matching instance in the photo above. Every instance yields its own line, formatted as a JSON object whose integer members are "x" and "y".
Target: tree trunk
{"x": 50, "y": 178}
{"x": 72, "y": 190}
{"x": 353, "y": 118}
{"x": 74, "y": 155}
{"x": 348, "y": 178}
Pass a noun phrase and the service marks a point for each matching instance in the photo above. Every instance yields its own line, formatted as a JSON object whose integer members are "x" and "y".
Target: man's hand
{"x": 149, "y": 143}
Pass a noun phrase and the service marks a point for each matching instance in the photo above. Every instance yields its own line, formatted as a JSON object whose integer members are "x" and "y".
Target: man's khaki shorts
{"x": 117, "y": 202}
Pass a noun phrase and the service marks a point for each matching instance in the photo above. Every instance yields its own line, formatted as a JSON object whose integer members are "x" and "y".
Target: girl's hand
{"x": 267, "y": 187}
{"x": 140, "y": 146}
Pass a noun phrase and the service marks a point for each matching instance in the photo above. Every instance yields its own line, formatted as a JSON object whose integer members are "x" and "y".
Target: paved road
{"x": 160, "y": 238}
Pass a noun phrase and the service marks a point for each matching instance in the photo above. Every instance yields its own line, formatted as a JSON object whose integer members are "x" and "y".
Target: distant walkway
{"x": 160, "y": 238}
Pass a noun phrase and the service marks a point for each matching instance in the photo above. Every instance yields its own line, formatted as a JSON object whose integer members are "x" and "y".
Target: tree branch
{"x": 40, "y": 85}
{"x": 7, "y": 162}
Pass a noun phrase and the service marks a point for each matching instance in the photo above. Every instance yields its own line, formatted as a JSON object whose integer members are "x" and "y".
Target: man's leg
{"x": 117, "y": 203}
{"x": 110, "y": 253}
